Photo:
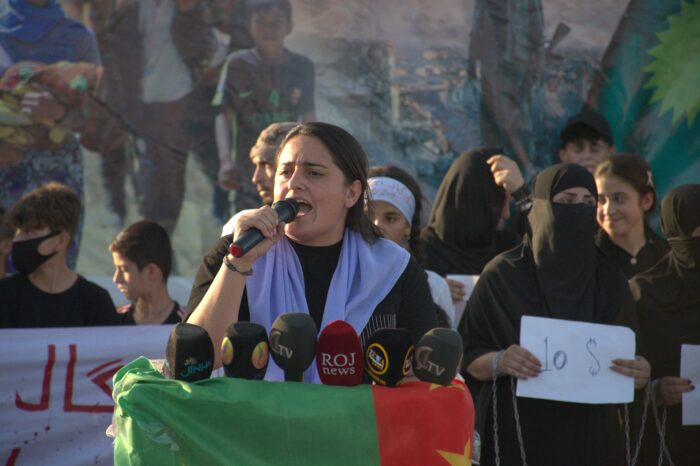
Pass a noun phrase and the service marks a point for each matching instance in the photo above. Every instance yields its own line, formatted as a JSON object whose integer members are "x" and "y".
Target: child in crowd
{"x": 395, "y": 208}
{"x": 626, "y": 196}
{"x": 142, "y": 261}
{"x": 586, "y": 140}
{"x": 258, "y": 87}
{"x": 46, "y": 292}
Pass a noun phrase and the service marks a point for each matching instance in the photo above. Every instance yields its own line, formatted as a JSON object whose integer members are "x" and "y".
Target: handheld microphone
{"x": 388, "y": 356}
{"x": 189, "y": 354}
{"x": 339, "y": 355}
{"x": 287, "y": 210}
{"x": 245, "y": 351}
{"x": 438, "y": 356}
{"x": 293, "y": 344}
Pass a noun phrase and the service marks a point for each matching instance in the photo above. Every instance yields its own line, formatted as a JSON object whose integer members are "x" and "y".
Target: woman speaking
{"x": 330, "y": 261}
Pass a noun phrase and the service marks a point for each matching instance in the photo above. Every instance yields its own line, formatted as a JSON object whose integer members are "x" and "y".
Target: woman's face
{"x": 307, "y": 173}
{"x": 576, "y": 195}
{"x": 391, "y": 221}
{"x": 620, "y": 207}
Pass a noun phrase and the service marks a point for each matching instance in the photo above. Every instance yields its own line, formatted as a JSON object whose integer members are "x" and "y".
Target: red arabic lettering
{"x": 45, "y": 387}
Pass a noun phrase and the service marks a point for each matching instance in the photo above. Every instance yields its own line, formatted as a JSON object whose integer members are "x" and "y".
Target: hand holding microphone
{"x": 264, "y": 223}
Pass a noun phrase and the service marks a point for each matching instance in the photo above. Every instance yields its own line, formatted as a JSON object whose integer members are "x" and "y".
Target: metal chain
{"x": 518, "y": 430}
{"x": 661, "y": 428}
{"x": 494, "y": 399}
{"x": 494, "y": 389}
{"x": 647, "y": 398}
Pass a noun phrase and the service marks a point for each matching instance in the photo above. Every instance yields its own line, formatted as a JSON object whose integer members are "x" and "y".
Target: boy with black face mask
{"x": 46, "y": 292}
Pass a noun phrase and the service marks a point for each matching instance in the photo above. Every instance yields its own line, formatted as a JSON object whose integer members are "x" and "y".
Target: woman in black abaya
{"x": 667, "y": 299}
{"x": 556, "y": 272}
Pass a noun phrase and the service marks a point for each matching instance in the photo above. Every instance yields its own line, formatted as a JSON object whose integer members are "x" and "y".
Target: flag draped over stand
{"x": 233, "y": 421}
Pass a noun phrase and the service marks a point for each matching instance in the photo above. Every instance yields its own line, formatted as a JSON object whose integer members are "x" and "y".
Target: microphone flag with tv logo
{"x": 388, "y": 356}
{"x": 437, "y": 356}
{"x": 189, "y": 355}
{"x": 339, "y": 357}
{"x": 293, "y": 344}
{"x": 245, "y": 351}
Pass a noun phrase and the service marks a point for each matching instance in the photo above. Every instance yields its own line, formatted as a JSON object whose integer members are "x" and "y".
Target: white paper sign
{"x": 576, "y": 359}
{"x": 690, "y": 369}
{"x": 469, "y": 281}
{"x": 56, "y": 390}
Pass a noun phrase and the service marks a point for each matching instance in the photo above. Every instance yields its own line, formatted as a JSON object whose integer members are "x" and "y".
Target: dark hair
{"x": 401, "y": 175}
{"x": 53, "y": 205}
{"x": 350, "y": 157}
{"x": 634, "y": 171}
{"x": 144, "y": 243}
{"x": 581, "y": 132}
{"x": 255, "y": 6}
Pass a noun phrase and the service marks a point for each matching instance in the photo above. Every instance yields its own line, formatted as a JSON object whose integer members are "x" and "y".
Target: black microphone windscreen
{"x": 437, "y": 356}
{"x": 245, "y": 351}
{"x": 339, "y": 355}
{"x": 293, "y": 344}
{"x": 189, "y": 354}
{"x": 388, "y": 356}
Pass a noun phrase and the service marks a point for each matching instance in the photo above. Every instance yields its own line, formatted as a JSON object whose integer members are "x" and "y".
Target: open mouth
{"x": 304, "y": 207}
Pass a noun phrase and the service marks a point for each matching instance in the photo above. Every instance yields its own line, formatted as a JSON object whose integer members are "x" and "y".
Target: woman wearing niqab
{"x": 667, "y": 299}
{"x": 556, "y": 272}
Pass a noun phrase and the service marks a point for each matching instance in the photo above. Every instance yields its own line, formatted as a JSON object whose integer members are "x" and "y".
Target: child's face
{"x": 586, "y": 153}
{"x": 131, "y": 281}
{"x": 268, "y": 28}
{"x": 620, "y": 207}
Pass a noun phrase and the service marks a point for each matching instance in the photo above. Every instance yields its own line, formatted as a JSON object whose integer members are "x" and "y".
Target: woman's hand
{"x": 638, "y": 368}
{"x": 456, "y": 290}
{"x": 265, "y": 220}
{"x": 519, "y": 362}
{"x": 669, "y": 390}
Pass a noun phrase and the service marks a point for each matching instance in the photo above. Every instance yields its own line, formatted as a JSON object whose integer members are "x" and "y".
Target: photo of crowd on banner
{"x": 494, "y": 221}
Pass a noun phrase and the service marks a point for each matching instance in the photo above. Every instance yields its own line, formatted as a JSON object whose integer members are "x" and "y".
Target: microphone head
{"x": 438, "y": 356}
{"x": 388, "y": 356}
{"x": 189, "y": 354}
{"x": 339, "y": 355}
{"x": 287, "y": 209}
{"x": 245, "y": 351}
{"x": 293, "y": 344}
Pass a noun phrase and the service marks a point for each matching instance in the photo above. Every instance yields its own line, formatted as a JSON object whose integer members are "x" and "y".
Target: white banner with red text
{"x": 56, "y": 390}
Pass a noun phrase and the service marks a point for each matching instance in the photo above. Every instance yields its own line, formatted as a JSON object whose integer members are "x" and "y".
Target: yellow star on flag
{"x": 435, "y": 386}
{"x": 458, "y": 459}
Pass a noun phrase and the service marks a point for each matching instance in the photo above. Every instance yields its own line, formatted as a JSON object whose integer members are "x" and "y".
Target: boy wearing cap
{"x": 259, "y": 86}
{"x": 46, "y": 292}
{"x": 586, "y": 140}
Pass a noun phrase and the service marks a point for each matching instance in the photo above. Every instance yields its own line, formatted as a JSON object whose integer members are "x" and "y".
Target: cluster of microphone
{"x": 294, "y": 344}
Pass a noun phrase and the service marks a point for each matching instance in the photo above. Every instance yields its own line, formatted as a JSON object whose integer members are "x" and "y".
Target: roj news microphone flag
{"x": 287, "y": 210}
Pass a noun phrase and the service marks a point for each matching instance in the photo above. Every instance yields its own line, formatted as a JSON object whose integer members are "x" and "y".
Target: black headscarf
{"x": 556, "y": 272}
{"x": 667, "y": 299}
{"x": 562, "y": 243}
{"x": 461, "y": 235}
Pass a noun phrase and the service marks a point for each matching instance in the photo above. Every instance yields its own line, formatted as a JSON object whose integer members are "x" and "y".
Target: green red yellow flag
{"x": 224, "y": 421}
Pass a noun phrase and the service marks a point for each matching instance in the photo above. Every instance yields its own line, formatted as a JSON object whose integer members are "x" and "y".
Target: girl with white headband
{"x": 395, "y": 208}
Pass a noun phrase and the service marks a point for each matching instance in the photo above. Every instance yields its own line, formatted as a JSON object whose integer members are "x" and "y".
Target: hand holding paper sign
{"x": 669, "y": 390}
{"x": 519, "y": 362}
{"x": 637, "y": 368}
{"x": 576, "y": 357}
